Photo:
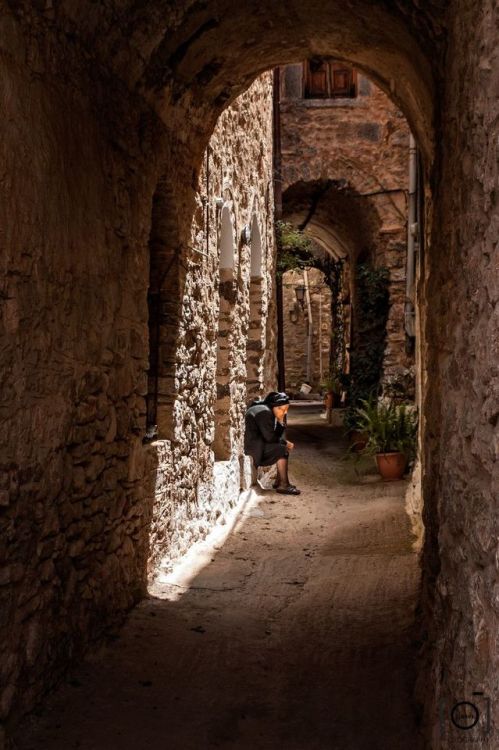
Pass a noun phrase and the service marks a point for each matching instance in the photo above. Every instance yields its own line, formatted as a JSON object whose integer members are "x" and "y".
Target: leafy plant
{"x": 332, "y": 382}
{"x": 368, "y": 345}
{"x": 352, "y": 419}
{"x": 293, "y": 238}
{"x": 390, "y": 427}
{"x": 334, "y": 275}
{"x": 294, "y": 248}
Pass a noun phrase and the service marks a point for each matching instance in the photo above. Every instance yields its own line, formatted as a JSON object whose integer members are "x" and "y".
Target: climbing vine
{"x": 333, "y": 271}
{"x": 369, "y": 335}
{"x": 293, "y": 249}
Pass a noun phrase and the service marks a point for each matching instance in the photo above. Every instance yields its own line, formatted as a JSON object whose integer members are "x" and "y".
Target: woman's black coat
{"x": 263, "y": 439}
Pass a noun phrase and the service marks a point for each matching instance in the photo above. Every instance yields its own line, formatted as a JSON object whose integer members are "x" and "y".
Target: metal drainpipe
{"x": 310, "y": 326}
{"x": 277, "y": 167}
{"x": 412, "y": 230}
{"x": 320, "y": 335}
{"x": 207, "y": 200}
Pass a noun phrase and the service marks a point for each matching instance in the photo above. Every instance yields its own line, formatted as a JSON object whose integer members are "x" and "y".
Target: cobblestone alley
{"x": 296, "y": 635}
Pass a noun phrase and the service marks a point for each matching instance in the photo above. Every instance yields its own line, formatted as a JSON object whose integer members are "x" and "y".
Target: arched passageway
{"x": 334, "y": 216}
{"x": 346, "y": 160}
{"x": 163, "y": 81}
{"x": 365, "y": 232}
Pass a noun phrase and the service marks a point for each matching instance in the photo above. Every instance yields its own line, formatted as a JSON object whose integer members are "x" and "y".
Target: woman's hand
{"x": 289, "y": 445}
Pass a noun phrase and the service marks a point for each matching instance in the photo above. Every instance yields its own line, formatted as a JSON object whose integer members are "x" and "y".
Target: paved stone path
{"x": 295, "y": 636}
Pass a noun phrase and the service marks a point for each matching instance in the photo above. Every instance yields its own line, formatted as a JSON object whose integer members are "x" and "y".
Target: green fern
{"x": 390, "y": 427}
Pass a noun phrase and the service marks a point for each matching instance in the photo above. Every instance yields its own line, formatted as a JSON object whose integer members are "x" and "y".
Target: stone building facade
{"x": 345, "y": 160}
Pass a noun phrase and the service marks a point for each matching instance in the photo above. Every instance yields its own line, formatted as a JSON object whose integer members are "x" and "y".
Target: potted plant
{"x": 332, "y": 386}
{"x": 353, "y": 422}
{"x": 358, "y": 439}
{"x": 392, "y": 434}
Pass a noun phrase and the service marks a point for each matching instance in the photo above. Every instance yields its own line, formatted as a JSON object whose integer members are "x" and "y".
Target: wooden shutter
{"x": 316, "y": 80}
{"x": 325, "y": 80}
{"x": 343, "y": 80}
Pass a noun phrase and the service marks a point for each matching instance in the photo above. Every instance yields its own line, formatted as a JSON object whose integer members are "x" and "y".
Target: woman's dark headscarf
{"x": 276, "y": 398}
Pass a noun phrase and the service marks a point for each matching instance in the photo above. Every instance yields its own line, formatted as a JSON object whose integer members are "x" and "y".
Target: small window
{"x": 316, "y": 85}
{"x": 329, "y": 80}
{"x": 343, "y": 81}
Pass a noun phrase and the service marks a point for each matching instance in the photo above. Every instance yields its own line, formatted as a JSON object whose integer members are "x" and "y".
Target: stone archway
{"x": 362, "y": 230}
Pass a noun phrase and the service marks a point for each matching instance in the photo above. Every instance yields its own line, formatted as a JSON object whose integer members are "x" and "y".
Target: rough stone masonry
{"x": 216, "y": 349}
{"x": 87, "y": 508}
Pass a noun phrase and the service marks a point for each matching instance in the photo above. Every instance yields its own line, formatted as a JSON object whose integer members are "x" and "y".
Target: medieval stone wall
{"x": 362, "y": 146}
{"x": 363, "y": 140}
{"x": 75, "y": 216}
{"x": 460, "y": 300}
{"x": 212, "y": 364}
{"x": 84, "y": 504}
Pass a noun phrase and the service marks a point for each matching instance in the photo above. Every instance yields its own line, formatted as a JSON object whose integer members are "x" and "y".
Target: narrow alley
{"x": 296, "y": 635}
{"x": 210, "y": 211}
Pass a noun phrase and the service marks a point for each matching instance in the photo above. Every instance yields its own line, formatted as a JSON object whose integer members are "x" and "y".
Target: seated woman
{"x": 264, "y": 440}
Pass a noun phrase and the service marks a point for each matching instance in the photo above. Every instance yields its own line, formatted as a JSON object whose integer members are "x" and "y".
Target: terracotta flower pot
{"x": 391, "y": 466}
{"x": 329, "y": 400}
{"x": 358, "y": 440}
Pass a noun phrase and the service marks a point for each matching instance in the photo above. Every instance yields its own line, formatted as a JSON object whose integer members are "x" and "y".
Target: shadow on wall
{"x": 164, "y": 308}
{"x": 222, "y": 444}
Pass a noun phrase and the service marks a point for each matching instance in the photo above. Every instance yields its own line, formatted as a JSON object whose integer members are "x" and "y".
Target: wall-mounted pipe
{"x": 412, "y": 233}
{"x": 321, "y": 373}
{"x": 310, "y": 325}
{"x": 277, "y": 165}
